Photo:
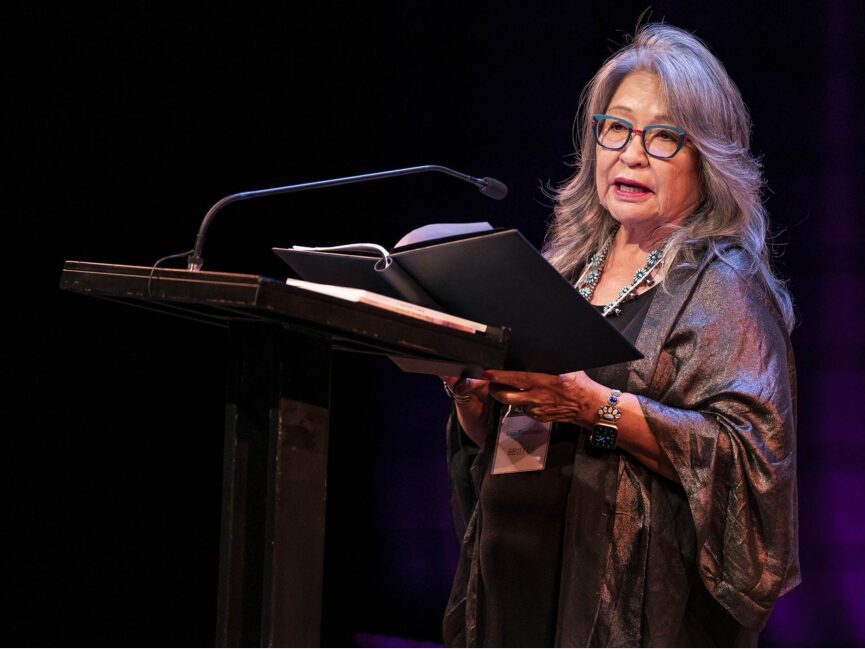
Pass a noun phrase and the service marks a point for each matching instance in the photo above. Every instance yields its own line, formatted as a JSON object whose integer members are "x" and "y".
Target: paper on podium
{"x": 390, "y": 304}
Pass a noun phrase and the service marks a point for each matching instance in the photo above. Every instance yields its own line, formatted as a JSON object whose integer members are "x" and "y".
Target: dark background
{"x": 124, "y": 124}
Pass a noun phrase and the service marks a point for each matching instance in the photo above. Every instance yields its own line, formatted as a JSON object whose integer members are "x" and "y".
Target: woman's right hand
{"x": 465, "y": 387}
{"x": 472, "y": 413}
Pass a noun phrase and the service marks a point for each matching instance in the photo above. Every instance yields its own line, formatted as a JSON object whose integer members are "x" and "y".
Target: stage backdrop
{"x": 128, "y": 121}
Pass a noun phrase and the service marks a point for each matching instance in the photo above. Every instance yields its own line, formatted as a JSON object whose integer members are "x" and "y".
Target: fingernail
{"x": 487, "y": 374}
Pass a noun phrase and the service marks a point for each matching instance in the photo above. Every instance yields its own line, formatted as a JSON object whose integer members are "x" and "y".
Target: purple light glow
{"x": 369, "y": 640}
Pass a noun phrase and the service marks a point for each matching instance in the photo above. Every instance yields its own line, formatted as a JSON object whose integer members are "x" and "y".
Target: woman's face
{"x": 642, "y": 192}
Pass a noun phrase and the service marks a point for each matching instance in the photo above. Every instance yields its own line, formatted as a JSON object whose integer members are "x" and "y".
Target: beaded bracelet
{"x": 604, "y": 433}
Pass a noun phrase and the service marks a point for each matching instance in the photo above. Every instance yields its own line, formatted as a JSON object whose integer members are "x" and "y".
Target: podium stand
{"x": 276, "y": 427}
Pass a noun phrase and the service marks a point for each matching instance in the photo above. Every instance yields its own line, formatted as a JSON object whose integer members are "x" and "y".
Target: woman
{"x": 666, "y": 511}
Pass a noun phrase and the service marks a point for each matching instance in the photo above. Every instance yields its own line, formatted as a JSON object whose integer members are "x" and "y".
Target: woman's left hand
{"x": 572, "y": 398}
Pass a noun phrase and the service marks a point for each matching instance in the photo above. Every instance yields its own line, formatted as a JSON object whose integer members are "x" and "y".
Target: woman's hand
{"x": 572, "y": 398}
{"x": 465, "y": 387}
{"x": 473, "y": 411}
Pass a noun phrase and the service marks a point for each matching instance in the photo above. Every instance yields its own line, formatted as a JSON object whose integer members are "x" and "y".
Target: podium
{"x": 277, "y": 423}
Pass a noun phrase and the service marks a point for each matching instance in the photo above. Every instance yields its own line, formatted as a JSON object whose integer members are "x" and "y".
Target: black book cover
{"x": 495, "y": 277}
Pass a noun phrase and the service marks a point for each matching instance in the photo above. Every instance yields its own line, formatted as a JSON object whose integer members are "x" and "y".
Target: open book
{"x": 348, "y": 265}
{"x": 482, "y": 274}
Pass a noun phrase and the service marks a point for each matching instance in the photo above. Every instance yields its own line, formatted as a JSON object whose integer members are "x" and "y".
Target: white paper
{"x": 440, "y": 231}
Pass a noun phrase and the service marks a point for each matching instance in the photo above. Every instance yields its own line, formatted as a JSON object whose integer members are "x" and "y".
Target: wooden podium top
{"x": 219, "y": 298}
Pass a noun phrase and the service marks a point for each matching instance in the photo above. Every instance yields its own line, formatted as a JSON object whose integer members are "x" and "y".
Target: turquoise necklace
{"x": 594, "y": 269}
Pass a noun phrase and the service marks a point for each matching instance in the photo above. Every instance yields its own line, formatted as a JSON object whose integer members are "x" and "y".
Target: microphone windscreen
{"x": 494, "y": 188}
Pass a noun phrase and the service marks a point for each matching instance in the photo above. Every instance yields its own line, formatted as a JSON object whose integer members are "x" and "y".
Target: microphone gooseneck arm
{"x": 487, "y": 186}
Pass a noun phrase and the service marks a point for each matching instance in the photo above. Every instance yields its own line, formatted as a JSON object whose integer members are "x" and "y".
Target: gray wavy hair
{"x": 703, "y": 100}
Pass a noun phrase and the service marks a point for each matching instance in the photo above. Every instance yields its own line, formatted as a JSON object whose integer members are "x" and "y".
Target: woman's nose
{"x": 634, "y": 153}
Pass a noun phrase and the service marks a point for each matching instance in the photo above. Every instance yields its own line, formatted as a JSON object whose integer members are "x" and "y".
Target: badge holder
{"x": 522, "y": 444}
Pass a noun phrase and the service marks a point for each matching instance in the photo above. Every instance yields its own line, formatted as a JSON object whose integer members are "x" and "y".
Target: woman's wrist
{"x": 605, "y": 430}
{"x": 466, "y": 390}
{"x": 592, "y": 396}
{"x": 471, "y": 400}
{"x": 459, "y": 399}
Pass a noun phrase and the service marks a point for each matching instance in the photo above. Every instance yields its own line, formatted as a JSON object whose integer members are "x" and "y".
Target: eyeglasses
{"x": 659, "y": 140}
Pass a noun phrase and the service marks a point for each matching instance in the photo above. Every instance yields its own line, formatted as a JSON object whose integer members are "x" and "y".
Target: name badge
{"x": 522, "y": 445}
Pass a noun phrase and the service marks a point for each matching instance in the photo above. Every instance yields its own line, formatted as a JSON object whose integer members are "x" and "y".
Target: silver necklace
{"x": 594, "y": 269}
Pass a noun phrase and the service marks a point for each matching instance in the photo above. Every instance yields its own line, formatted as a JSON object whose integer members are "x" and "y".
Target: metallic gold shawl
{"x": 648, "y": 562}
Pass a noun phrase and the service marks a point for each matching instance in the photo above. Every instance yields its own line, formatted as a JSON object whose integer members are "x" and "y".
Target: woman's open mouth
{"x": 630, "y": 187}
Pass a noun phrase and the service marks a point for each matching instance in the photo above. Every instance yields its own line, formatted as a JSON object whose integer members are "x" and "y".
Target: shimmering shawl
{"x": 648, "y": 562}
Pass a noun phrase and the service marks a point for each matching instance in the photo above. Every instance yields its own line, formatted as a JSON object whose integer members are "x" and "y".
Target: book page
{"x": 349, "y": 247}
{"x": 431, "y": 232}
{"x": 441, "y": 231}
{"x": 391, "y": 304}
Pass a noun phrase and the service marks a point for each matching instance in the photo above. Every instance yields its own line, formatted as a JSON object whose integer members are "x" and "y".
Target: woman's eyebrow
{"x": 655, "y": 119}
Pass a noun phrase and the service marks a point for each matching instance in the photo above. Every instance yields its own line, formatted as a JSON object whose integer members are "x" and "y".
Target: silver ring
{"x": 459, "y": 398}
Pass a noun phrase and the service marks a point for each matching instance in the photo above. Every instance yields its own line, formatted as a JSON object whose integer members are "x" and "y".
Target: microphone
{"x": 487, "y": 186}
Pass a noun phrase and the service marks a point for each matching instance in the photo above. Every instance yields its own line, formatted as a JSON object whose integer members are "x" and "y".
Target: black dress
{"x": 521, "y": 539}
